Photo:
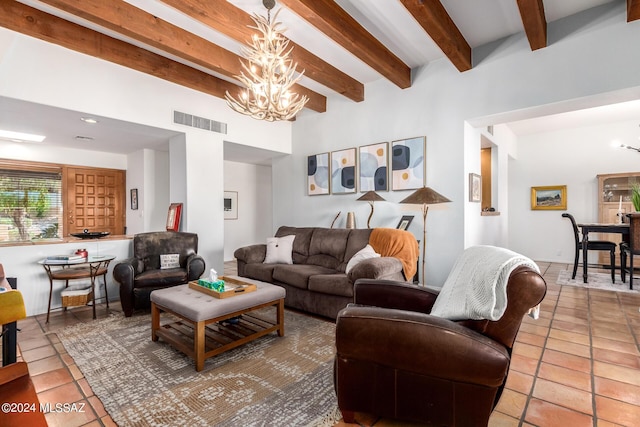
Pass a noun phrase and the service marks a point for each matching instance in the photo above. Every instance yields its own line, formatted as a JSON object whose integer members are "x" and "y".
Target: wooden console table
{"x": 86, "y": 268}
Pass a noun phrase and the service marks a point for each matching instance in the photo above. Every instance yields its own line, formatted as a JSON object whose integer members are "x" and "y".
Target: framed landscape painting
{"x": 408, "y": 165}
{"x": 343, "y": 171}
{"x": 374, "y": 167}
{"x": 318, "y": 174}
{"x": 551, "y": 197}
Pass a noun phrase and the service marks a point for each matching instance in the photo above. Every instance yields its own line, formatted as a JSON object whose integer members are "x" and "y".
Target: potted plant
{"x": 635, "y": 196}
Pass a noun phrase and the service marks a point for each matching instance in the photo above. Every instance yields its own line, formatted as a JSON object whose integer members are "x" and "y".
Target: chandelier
{"x": 270, "y": 73}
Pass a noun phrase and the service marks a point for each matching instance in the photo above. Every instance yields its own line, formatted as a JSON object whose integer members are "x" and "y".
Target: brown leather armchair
{"x": 140, "y": 275}
{"x": 395, "y": 360}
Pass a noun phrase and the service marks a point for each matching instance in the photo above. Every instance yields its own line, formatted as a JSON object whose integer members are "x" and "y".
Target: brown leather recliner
{"x": 140, "y": 275}
{"x": 395, "y": 360}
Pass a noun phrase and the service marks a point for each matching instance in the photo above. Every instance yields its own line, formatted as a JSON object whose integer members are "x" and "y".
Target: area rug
{"x": 597, "y": 281}
{"x": 272, "y": 381}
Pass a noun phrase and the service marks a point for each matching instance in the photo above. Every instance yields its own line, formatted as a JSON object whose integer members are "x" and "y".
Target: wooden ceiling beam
{"x": 232, "y": 21}
{"x": 35, "y": 23}
{"x": 633, "y": 10}
{"x": 435, "y": 20}
{"x": 534, "y": 22}
{"x": 128, "y": 20}
{"x": 338, "y": 25}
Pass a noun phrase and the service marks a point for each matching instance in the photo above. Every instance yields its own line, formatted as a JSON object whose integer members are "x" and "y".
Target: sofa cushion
{"x": 167, "y": 277}
{"x": 279, "y": 250}
{"x": 364, "y": 253}
{"x": 332, "y": 284}
{"x": 301, "y": 242}
{"x": 358, "y": 239}
{"x": 298, "y": 274}
{"x": 327, "y": 247}
{"x": 262, "y": 272}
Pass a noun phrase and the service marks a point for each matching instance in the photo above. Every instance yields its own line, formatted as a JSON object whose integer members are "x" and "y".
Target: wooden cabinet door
{"x": 95, "y": 200}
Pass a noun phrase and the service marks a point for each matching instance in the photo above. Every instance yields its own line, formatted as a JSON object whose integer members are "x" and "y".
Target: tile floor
{"x": 579, "y": 364}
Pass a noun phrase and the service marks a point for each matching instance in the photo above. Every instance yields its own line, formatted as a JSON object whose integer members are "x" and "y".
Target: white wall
{"x": 255, "y": 216}
{"x": 568, "y": 157}
{"x": 578, "y": 64}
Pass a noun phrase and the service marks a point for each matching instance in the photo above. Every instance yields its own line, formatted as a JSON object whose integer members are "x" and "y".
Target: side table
{"x": 86, "y": 268}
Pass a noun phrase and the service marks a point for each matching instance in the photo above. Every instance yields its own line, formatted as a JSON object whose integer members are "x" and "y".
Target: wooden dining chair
{"x": 630, "y": 248}
{"x": 592, "y": 245}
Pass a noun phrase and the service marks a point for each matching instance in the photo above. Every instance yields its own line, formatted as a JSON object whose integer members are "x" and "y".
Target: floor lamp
{"x": 424, "y": 197}
{"x": 371, "y": 196}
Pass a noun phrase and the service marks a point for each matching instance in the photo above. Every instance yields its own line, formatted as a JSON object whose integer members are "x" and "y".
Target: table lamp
{"x": 424, "y": 196}
{"x": 371, "y": 196}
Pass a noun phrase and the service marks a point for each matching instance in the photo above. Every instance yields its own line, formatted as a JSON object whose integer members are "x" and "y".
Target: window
{"x": 30, "y": 202}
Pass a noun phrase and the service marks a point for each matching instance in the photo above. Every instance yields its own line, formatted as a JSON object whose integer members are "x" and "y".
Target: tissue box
{"x": 217, "y": 286}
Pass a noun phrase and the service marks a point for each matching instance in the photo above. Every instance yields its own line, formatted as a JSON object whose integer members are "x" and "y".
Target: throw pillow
{"x": 169, "y": 261}
{"x": 279, "y": 250}
{"x": 364, "y": 253}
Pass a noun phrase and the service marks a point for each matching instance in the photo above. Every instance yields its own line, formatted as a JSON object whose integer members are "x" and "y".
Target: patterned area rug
{"x": 598, "y": 281}
{"x": 272, "y": 381}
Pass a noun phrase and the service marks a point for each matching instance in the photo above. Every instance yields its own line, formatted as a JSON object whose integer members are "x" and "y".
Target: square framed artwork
{"x": 475, "y": 187}
{"x": 374, "y": 167}
{"x": 550, "y": 197}
{"x": 408, "y": 163}
{"x": 173, "y": 217}
{"x": 318, "y": 181}
{"x": 404, "y": 222}
{"x": 230, "y": 205}
{"x": 343, "y": 171}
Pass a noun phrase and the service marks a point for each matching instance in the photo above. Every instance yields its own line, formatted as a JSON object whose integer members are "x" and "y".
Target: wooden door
{"x": 95, "y": 200}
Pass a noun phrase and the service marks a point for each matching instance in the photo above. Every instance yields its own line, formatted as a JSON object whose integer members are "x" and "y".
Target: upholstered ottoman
{"x": 198, "y": 311}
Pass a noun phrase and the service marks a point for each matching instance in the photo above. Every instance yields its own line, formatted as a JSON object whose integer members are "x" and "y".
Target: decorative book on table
{"x": 64, "y": 258}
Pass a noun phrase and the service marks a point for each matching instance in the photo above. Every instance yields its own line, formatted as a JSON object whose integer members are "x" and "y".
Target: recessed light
{"x": 84, "y": 138}
{"x": 20, "y": 136}
{"x": 89, "y": 120}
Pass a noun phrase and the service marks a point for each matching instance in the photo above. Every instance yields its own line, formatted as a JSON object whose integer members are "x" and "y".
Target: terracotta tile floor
{"x": 579, "y": 364}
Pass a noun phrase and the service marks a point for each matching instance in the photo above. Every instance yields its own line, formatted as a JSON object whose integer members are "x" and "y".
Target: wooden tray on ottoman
{"x": 236, "y": 287}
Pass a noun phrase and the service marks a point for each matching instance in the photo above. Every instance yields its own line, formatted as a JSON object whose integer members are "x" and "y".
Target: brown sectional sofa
{"x": 316, "y": 282}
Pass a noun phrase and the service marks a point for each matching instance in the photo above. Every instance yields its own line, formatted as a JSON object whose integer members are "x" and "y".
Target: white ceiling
{"x": 480, "y": 21}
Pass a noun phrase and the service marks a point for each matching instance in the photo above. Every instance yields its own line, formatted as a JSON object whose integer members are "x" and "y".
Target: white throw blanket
{"x": 477, "y": 285}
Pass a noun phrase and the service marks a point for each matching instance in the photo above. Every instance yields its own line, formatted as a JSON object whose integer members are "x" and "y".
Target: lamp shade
{"x": 371, "y": 196}
{"x": 425, "y": 196}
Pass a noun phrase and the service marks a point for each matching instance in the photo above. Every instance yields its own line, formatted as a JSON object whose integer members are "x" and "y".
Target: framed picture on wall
{"x": 318, "y": 181}
{"x": 343, "y": 171}
{"x": 374, "y": 167}
{"x": 230, "y": 205}
{"x": 550, "y": 197}
{"x": 408, "y": 164}
{"x": 134, "y": 199}
{"x": 475, "y": 187}
{"x": 173, "y": 217}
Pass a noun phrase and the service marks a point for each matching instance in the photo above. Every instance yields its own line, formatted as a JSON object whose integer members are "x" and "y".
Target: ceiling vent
{"x": 199, "y": 122}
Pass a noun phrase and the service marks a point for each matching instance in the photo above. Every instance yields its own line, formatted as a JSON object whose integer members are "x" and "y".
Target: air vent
{"x": 199, "y": 122}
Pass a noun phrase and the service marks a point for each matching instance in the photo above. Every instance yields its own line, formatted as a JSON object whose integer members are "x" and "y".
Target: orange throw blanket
{"x": 398, "y": 244}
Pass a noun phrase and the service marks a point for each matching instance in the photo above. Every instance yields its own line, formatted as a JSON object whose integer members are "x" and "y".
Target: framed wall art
{"x": 408, "y": 163}
{"x": 550, "y": 197}
{"x": 343, "y": 171}
{"x": 475, "y": 187}
{"x": 374, "y": 167}
{"x": 230, "y": 205}
{"x": 134, "y": 199}
{"x": 173, "y": 217}
{"x": 318, "y": 174}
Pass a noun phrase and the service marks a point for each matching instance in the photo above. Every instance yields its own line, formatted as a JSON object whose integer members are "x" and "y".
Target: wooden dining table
{"x": 587, "y": 228}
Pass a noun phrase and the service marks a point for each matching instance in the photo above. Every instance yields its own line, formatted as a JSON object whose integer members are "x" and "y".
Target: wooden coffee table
{"x": 200, "y": 331}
